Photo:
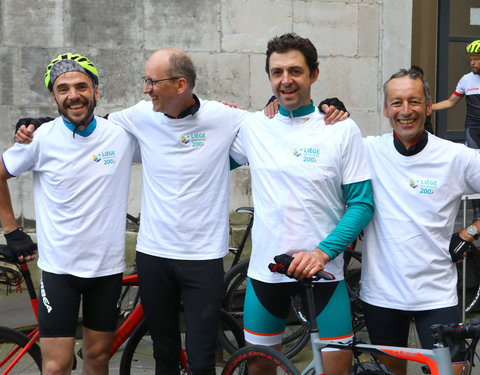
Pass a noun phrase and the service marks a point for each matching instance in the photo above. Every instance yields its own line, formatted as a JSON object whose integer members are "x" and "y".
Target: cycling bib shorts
{"x": 391, "y": 327}
{"x": 59, "y": 303}
{"x": 267, "y": 307}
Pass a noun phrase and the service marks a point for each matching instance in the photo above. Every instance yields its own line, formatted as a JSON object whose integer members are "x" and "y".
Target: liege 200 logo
{"x": 194, "y": 139}
{"x": 105, "y": 157}
{"x": 424, "y": 185}
{"x": 308, "y": 154}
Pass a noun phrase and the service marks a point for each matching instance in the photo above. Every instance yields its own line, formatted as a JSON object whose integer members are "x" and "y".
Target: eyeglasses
{"x": 151, "y": 82}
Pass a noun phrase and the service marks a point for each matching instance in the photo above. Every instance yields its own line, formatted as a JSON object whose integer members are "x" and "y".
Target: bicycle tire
{"x": 230, "y": 334}
{"x": 137, "y": 356}
{"x": 296, "y": 334}
{"x": 238, "y": 363}
{"x": 30, "y": 362}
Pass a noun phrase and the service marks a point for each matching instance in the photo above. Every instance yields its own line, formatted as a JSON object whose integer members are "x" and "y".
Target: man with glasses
{"x": 185, "y": 143}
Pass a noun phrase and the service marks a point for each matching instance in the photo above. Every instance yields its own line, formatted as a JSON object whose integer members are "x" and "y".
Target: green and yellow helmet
{"x": 69, "y": 62}
{"x": 474, "y": 48}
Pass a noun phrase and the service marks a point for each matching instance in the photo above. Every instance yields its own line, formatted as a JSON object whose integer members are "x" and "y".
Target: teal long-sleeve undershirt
{"x": 234, "y": 164}
{"x": 359, "y": 201}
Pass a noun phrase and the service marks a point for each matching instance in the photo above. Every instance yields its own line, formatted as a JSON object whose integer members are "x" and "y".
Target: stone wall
{"x": 360, "y": 44}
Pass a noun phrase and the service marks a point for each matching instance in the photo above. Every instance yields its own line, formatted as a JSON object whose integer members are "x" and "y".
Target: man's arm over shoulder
{"x": 26, "y": 126}
{"x": 129, "y": 117}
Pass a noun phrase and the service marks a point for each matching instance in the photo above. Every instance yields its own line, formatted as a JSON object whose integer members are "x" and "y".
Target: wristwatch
{"x": 473, "y": 231}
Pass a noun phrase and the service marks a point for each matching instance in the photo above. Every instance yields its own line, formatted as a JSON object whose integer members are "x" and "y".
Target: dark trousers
{"x": 198, "y": 284}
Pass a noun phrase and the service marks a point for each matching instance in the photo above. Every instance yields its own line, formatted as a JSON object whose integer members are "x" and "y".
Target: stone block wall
{"x": 360, "y": 44}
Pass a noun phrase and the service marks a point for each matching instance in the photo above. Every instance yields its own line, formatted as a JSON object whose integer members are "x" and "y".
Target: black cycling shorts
{"x": 391, "y": 327}
{"x": 59, "y": 302}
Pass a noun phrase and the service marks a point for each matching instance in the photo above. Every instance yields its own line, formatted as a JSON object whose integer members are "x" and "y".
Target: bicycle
{"x": 437, "y": 360}
{"x": 21, "y": 352}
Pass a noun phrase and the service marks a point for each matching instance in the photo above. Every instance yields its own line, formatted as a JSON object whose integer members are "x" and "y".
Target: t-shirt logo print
{"x": 425, "y": 186}
{"x": 196, "y": 139}
{"x": 310, "y": 154}
{"x": 108, "y": 157}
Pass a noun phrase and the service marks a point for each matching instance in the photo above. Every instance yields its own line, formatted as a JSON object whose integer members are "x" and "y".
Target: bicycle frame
{"x": 132, "y": 321}
{"x": 437, "y": 359}
{"x": 34, "y": 334}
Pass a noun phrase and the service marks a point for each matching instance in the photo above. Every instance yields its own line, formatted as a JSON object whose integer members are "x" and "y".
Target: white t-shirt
{"x": 298, "y": 166}
{"x": 186, "y": 179}
{"x": 80, "y": 190}
{"x": 406, "y": 264}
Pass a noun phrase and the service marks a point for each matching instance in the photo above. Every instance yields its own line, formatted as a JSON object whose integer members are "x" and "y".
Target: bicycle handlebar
{"x": 282, "y": 262}
{"x": 469, "y": 330}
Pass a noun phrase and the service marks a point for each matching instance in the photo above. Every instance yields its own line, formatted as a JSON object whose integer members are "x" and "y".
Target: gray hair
{"x": 412, "y": 73}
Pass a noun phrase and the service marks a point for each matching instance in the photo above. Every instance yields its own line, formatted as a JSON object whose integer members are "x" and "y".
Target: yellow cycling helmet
{"x": 69, "y": 62}
{"x": 474, "y": 48}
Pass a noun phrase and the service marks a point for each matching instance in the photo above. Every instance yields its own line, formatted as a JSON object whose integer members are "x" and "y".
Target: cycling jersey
{"x": 80, "y": 187}
{"x": 185, "y": 195}
{"x": 406, "y": 264}
{"x": 299, "y": 166}
{"x": 469, "y": 86}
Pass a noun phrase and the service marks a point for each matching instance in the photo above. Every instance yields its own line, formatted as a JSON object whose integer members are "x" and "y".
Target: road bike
{"x": 20, "y": 353}
{"x": 436, "y": 361}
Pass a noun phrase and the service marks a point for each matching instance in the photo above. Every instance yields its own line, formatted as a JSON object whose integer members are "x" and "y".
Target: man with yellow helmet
{"x": 81, "y": 171}
{"x": 468, "y": 86}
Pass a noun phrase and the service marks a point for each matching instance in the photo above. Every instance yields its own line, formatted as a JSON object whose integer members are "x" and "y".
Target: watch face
{"x": 472, "y": 230}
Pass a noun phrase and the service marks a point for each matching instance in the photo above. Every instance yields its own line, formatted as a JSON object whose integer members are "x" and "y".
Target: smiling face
{"x": 406, "y": 108}
{"x": 291, "y": 79}
{"x": 164, "y": 94}
{"x": 76, "y": 97}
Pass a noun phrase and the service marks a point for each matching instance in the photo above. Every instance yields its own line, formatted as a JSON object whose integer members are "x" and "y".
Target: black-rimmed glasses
{"x": 151, "y": 82}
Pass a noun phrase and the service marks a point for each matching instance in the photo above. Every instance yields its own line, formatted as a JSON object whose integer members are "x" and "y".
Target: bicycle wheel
{"x": 129, "y": 299}
{"x": 235, "y": 284}
{"x": 230, "y": 335}
{"x": 137, "y": 356}
{"x": 10, "y": 339}
{"x": 238, "y": 363}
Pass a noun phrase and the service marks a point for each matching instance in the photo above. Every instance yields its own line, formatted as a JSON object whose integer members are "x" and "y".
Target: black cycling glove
{"x": 283, "y": 261}
{"x": 272, "y": 98}
{"x": 37, "y": 122}
{"x": 20, "y": 243}
{"x": 458, "y": 247}
{"x": 337, "y": 103}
